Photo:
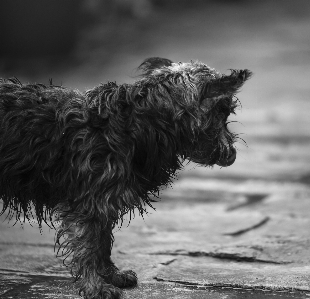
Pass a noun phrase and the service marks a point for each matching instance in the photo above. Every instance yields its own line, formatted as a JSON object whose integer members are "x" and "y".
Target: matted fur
{"x": 93, "y": 157}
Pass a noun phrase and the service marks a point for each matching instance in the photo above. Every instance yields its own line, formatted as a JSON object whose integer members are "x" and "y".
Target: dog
{"x": 90, "y": 158}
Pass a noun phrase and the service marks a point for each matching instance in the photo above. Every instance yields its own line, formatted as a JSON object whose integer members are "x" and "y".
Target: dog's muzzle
{"x": 229, "y": 159}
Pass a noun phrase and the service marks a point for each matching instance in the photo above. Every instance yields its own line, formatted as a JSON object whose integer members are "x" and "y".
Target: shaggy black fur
{"x": 92, "y": 157}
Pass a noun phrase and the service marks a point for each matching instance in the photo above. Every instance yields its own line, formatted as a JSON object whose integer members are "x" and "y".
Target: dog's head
{"x": 204, "y": 99}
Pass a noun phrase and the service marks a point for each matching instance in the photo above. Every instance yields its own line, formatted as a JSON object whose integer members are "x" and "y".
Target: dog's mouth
{"x": 229, "y": 159}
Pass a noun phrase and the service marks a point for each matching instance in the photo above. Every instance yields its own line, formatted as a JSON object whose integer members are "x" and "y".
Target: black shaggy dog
{"x": 92, "y": 157}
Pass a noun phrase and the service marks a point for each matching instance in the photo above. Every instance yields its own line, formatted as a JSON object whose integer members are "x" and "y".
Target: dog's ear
{"x": 232, "y": 83}
{"x": 225, "y": 85}
{"x": 150, "y": 64}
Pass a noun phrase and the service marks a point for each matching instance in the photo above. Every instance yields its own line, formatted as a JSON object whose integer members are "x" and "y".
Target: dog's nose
{"x": 227, "y": 161}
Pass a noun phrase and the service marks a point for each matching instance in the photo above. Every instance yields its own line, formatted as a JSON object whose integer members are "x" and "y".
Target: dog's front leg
{"x": 110, "y": 272}
{"x": 90, "y": 242}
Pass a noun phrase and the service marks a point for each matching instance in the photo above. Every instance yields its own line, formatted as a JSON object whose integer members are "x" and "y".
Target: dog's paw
{"x": 110, "y": 292}
{"x": 104, "y": 291}
{"x": 123, "y": 279}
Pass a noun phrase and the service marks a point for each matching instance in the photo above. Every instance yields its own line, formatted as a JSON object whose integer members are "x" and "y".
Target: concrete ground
{"x": 237, "y": 232}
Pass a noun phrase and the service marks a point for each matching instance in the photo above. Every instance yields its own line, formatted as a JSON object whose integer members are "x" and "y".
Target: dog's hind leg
{"x": 90, "y": 242}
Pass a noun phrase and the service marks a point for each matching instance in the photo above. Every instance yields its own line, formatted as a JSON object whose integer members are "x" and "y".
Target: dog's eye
{"x": 223, "y": 116}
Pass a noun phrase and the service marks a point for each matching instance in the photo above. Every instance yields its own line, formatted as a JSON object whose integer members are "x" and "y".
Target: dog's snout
{"x": 229, "y": 159}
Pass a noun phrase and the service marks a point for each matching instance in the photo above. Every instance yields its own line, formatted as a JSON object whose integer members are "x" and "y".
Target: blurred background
{"x": 81, "y": 43}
